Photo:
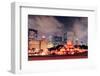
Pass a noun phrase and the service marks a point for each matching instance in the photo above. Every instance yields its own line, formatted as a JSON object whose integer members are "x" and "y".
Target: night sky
{"x": 58, "y": 25}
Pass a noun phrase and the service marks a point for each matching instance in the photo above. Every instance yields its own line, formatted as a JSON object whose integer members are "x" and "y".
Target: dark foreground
{"x": 56, "y": 57}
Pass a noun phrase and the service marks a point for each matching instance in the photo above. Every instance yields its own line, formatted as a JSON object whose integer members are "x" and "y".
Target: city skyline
{"x": 58, "y": 25}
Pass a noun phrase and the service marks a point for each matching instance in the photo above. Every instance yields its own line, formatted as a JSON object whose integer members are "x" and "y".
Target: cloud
{"x": 49, "y": 25}
{"x": 81, "y": 30}
{"x": 45, "y": 24}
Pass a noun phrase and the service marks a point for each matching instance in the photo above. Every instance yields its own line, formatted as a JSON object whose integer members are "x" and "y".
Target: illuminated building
{"x": 34, "y": 44}
{"x": 43, "y": 43}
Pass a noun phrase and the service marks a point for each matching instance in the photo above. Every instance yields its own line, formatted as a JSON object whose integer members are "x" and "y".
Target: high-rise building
{"x": 57, "y": 40}
{"x": 32, "y": 34}
{"x": 65, "y": 37}
{"x": 43, "y": 43}
{"x": 34, "y": 44}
